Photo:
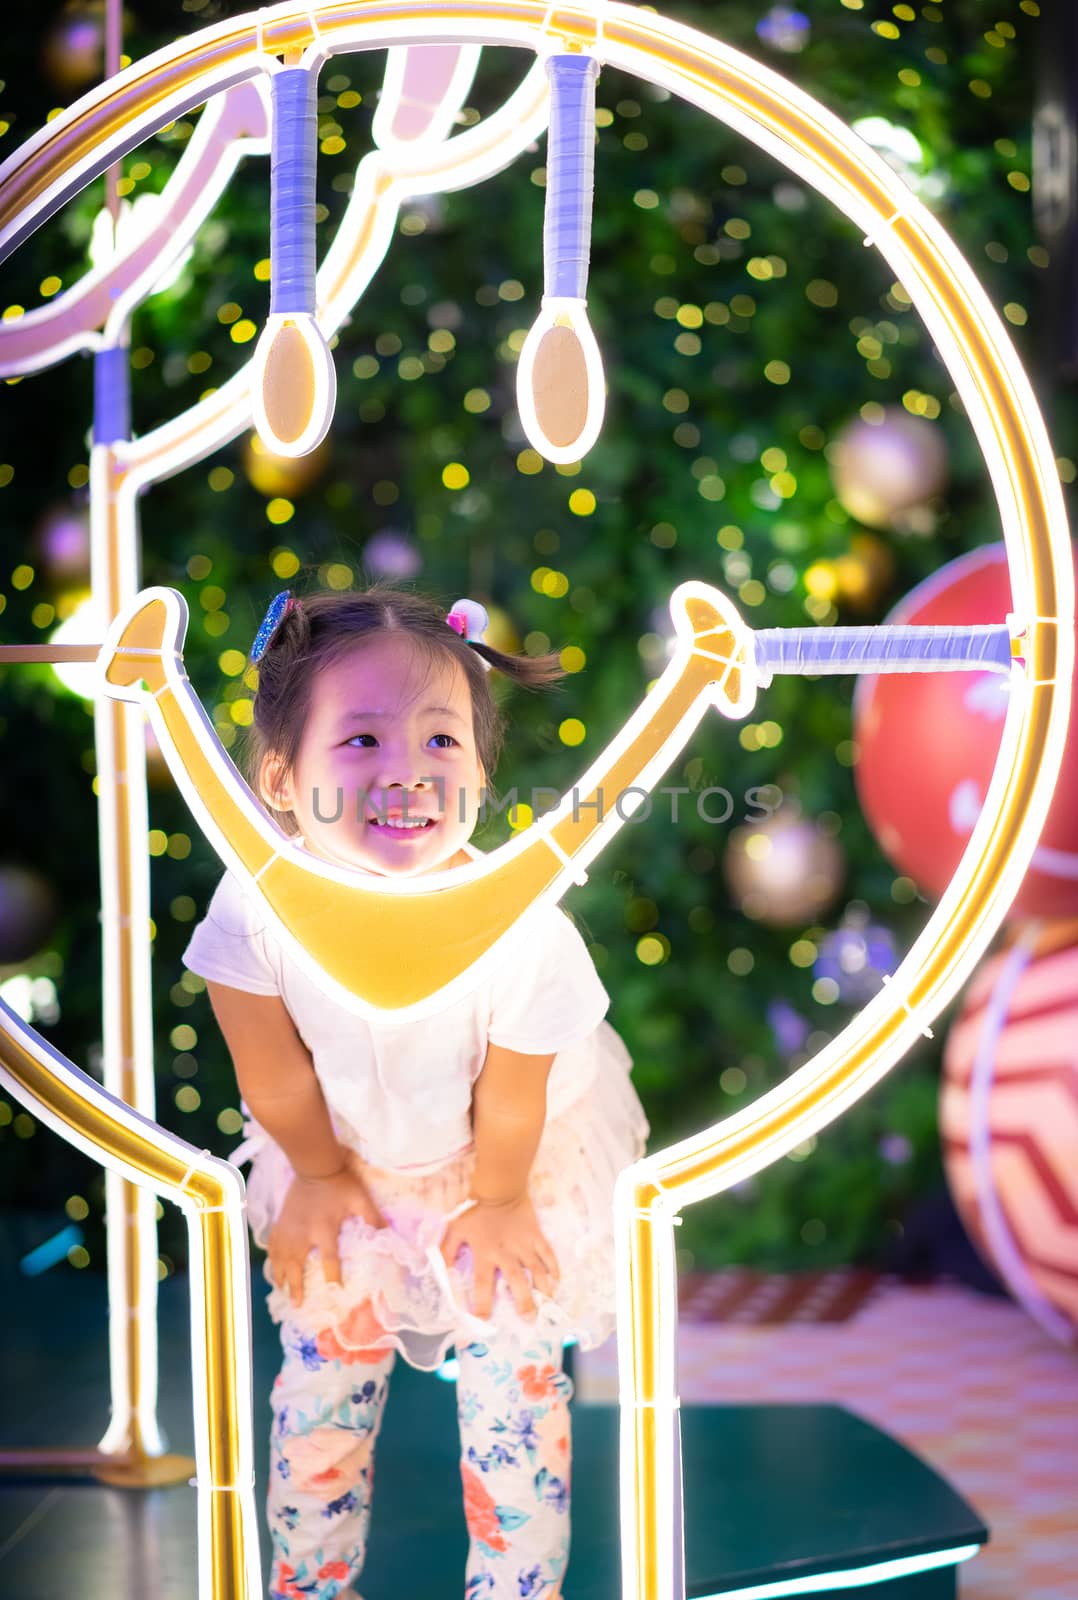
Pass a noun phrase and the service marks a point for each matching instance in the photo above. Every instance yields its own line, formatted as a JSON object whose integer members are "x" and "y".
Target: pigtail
{"x": 533, "y": 672}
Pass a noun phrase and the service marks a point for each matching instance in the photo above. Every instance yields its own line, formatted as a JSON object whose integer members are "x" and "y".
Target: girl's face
{"x": 388, "y": 741}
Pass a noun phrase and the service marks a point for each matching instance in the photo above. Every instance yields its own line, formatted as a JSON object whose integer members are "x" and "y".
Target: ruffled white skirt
{"x": 396, "y": 1292}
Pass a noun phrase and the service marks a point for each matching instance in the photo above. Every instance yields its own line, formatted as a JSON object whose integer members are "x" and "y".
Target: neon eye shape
{"x": 293, "y": 380}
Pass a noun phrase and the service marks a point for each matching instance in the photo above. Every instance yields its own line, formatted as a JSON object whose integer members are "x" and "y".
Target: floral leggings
{"x": 513, "y": 1409}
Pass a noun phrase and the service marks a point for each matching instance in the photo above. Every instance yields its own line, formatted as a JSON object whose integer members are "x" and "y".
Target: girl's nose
{"x": 404, "y": 769}
{"x": 396, "y": 786}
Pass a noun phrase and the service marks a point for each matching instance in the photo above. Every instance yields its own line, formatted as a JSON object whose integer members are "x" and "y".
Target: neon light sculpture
{"x": 804, "y": 136}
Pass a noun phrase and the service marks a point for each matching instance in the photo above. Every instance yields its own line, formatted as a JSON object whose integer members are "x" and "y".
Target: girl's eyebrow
{"x": 352, "y": 716}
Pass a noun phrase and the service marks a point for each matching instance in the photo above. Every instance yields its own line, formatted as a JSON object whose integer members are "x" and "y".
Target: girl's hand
{"x": 312, "y": 1214}
{"x": 505, "y": 1239}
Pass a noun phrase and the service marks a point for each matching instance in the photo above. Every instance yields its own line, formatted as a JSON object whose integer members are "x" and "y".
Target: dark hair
{"x": 323, "y": 626}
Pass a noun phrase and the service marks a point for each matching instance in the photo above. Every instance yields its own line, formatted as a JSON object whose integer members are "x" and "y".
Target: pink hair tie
{"x": 470, "y": 620}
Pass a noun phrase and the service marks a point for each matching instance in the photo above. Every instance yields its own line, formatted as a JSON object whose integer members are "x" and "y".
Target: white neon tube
{"x": 854, "y": 1578}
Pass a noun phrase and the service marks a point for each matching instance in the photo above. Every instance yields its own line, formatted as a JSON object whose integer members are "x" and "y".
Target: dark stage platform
{"x": 786, "y": 1499}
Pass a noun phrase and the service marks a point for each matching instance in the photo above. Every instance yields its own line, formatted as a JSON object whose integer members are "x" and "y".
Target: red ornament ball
{"x": 1011, "y": 1149}
{"x": 927, "y": 743}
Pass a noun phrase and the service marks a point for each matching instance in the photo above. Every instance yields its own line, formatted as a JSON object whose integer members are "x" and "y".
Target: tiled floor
{"x": 967, "y": 1381}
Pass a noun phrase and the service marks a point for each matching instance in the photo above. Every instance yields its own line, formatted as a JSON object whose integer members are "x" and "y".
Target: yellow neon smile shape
{"x": 444, "y": 927}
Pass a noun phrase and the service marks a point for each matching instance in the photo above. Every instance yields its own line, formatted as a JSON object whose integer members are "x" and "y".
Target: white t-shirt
{"x": 401, "y": 1093}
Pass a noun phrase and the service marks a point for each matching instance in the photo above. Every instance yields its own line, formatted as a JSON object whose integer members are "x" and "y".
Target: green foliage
{"x": 685, "y": 212}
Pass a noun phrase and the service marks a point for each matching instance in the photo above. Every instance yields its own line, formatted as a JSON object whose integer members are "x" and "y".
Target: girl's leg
{"x": 513, "y": 1406}
{"x": 327, "y": 1411}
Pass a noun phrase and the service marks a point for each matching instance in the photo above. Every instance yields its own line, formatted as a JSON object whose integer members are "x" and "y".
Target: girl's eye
{"x": 354, "y": 740}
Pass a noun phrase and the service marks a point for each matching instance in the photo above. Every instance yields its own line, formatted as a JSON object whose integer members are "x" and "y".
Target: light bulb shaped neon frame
{"x": 821, "y": 150}
{"x": 235, "y": 125}
{"x": 566, "y": 253}
{"x": 293, "y": 378}
{"x": 424, "y": 88}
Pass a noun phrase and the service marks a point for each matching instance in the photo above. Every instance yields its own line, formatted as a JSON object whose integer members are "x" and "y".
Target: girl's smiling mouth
{"x": 401, "y": 826}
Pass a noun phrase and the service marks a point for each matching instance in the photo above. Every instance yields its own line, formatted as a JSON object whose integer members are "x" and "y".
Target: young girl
{"x": 447, "y": 1181}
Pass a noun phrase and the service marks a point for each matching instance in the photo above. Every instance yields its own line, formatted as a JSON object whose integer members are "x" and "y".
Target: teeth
{"x": 400, "y": 823}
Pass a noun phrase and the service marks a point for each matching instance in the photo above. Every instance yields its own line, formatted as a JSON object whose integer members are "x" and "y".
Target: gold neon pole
{"x": 974, "y": 345}
{"x": 132, "y": 1447}
{"x": 133, "y": 1435}
{"x": 211, "y": 1194}
{"x": 133, "y": 1450}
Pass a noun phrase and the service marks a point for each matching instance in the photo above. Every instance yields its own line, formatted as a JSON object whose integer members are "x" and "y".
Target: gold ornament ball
{"x": 284, "y": 477}
{"x": 500, "y": 632}
{"x": 888, "y": 471}
{"x": 73, "y": 51}
{"x": 865, "y": 573}
{"x": 784, "y": 870}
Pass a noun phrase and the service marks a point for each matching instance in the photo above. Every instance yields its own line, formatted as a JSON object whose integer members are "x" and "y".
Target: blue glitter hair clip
{"x": 279, "y": 607}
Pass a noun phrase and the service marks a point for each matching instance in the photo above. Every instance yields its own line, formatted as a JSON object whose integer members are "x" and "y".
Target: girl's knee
{"x": 328, "y": 1462}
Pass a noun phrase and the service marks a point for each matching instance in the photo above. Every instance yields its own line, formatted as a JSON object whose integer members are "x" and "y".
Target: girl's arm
{"x": 508, "y": 1113}
{"x": 501, "y": 1229}
{"x": 277, "y": 1080}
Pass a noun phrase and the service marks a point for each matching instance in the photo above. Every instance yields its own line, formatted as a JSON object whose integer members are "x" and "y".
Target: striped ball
{"x": 1016, "y": 1184}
